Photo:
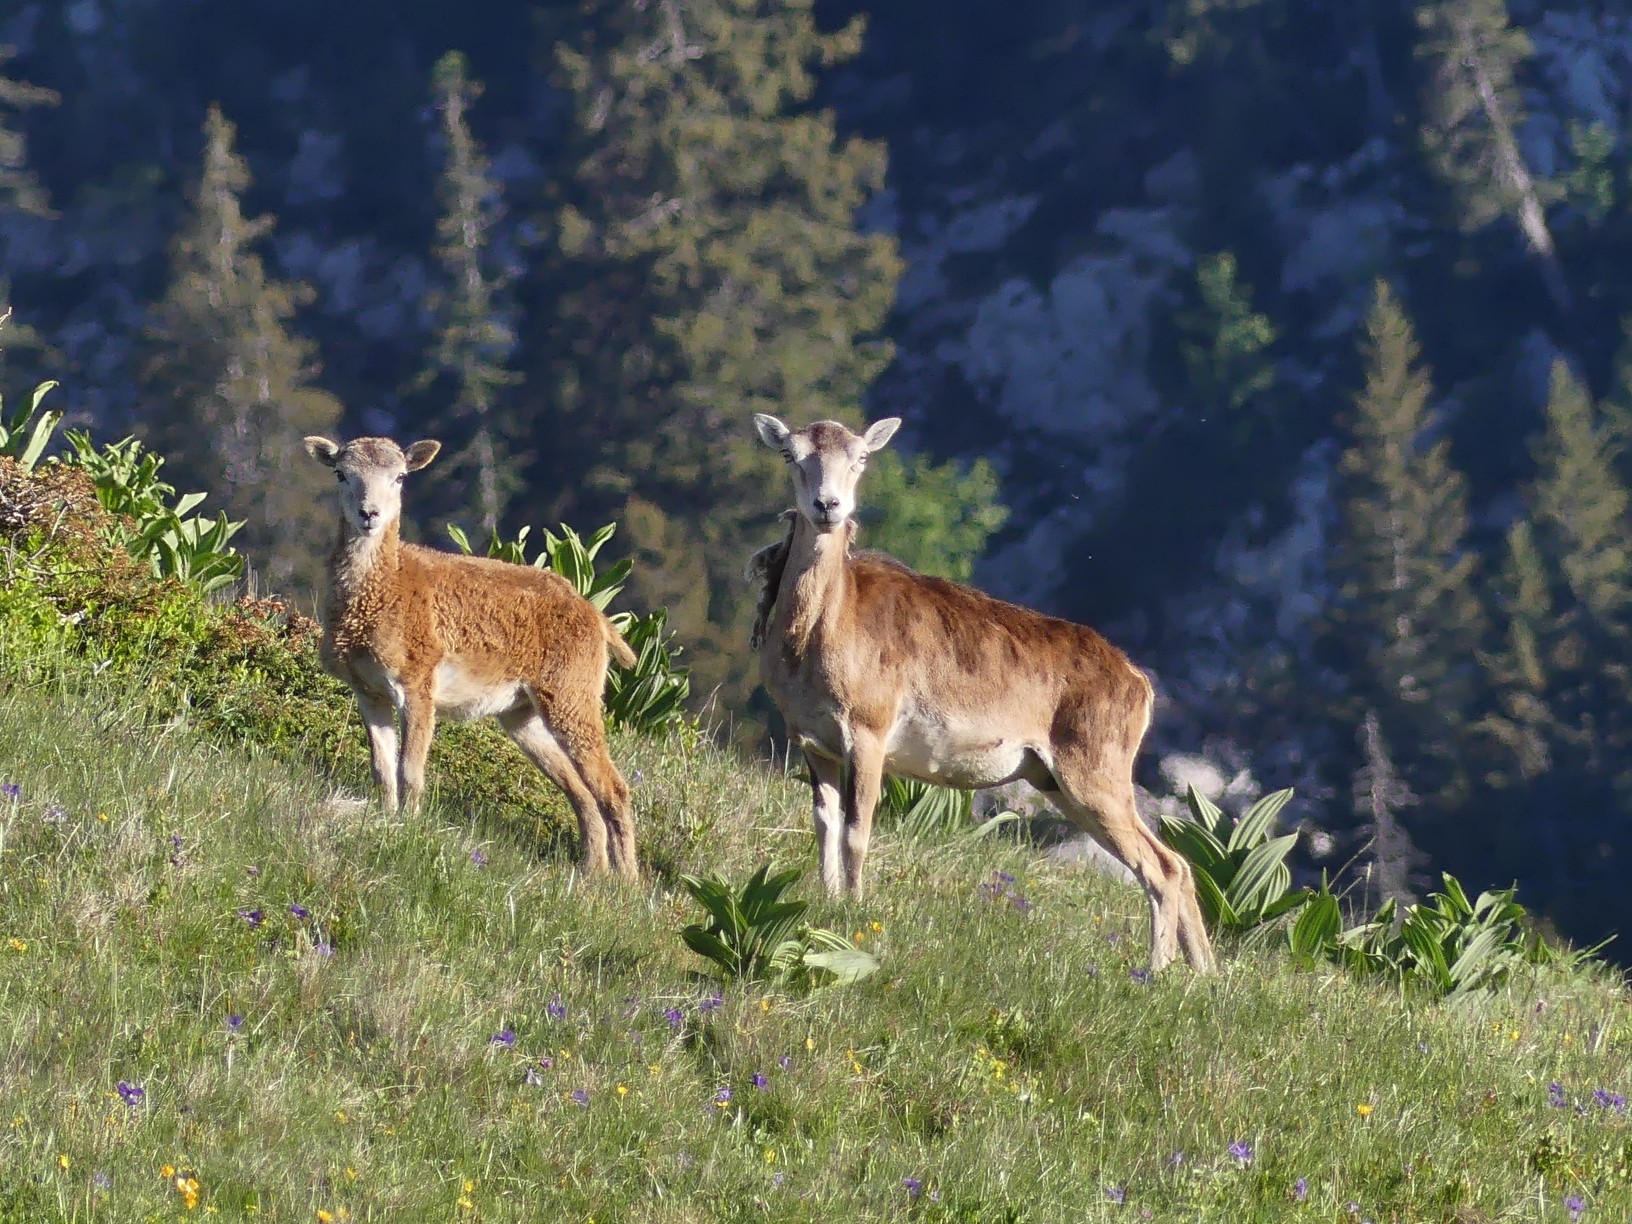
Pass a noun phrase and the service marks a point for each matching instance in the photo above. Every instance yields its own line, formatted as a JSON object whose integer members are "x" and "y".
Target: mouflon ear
{"x": 421, "y": 453}
{"x": 880, "y": 432}
{"x": 771, "y": 431}
{"x": 322, "y": 449}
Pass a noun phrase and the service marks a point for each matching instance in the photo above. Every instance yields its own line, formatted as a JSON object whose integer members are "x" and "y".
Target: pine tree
{"x": 1474, "y": 112}
{"x": 709, "y": 267}
{"x": 1405, "y": 612}
{"x": 1560, "y": 735}
{"x": 1578, "y": 508}
{"x": 472, "y": 313}
{"x": 228, "y": 385}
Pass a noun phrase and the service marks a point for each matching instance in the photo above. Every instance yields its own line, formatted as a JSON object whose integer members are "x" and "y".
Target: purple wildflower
{"x": 101, "y": 1180}
{"x": 1300, "y": 1191}
{"x": 1021, "y": 904}
{"x": 1176, "y": 1160}
{"x": 323, "y": 948}
{"x": 785, "y": 1061}
{"x": 1555, "y": 1095}
{"x": 1609, "y": 1100}
{"x": 299, "y": 911}
{"x": 176, "y": 849}
{"x": 131, "y": 1094}
{"x": 11, "y": 790}
{"x": 912, "y": 1186}
{"x": 580, "y": 1097}
{"x": 234, "y": 1022}
{"x": 505, "y": 1038}
{"x": 555, "y": 1009}
{"x": 477, "y": 857}
{"x": 777, "y": 1179}
{"x": 252, "y": 916}
{"x": 1116, "y": 1194}
{"x": 722, "y": 1098}
{"x": 55, "y": 814}
{"x": 1575, "y": 1205}
{"x": 714, "y": 1001}
{"x": 675, "y": 1018}
{"x": 1140, "y": 976}
{"x": 759, "y": 1081}
{"x": 1242, "y": 1151}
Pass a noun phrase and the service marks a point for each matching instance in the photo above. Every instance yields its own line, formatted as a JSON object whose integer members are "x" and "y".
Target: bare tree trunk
{"x": 1511, "y": 169}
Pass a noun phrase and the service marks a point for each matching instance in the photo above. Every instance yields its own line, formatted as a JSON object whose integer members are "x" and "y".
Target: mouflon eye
{"x": 341, "y": 477}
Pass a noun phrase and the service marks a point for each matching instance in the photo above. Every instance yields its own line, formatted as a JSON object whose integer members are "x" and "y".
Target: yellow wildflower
{"x": 325, "y": 1217}
{"x": 1363, "y": 1109}
{"x": 469, "y": 1186}
{"x": 167, "y": 1171}
{"x": 770, "y": 1155}
{"x": 878, "y": 928}
{"x": 62, "y": 1160}
{"x": 810, "y": 1043}
{"x": 17, "y": 945}
{"x": 340, "y": 1116}
{"x": 623, "y": 1090}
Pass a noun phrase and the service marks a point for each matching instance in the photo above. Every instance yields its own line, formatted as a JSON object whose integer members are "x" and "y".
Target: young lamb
{"x": 416, "y": 632}
{"x": 877, "y": 669}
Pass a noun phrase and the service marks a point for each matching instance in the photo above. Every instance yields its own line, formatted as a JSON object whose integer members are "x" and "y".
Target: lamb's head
{"x": 826, "y": 460}
{"x": 370, "y": 472}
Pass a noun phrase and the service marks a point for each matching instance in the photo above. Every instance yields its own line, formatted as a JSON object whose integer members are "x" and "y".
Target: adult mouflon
{"x": 877, "y": 669}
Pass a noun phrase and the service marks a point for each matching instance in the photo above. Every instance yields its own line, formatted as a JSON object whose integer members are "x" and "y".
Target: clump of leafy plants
{"x": 151, "y": 521}
{"x": 922, "y": 810}
{"x": 1447, "y": 944}
{"x": 648, "y": 697}
{"x": 1242, "y": 879}
{"x": 754, "y": 934}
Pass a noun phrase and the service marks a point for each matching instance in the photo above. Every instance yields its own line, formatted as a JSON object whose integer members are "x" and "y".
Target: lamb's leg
{"x": 384, "y": 744}
{"x": 527, "y": 728}
{"x": 418, "y": 725}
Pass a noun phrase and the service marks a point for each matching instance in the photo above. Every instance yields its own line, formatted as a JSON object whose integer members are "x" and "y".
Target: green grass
{"x": 1006, "y": 1060}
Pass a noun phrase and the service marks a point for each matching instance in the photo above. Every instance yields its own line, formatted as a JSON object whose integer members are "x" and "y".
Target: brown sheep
{"x": 416, "y": 632}
{"x": 877, "y": 669}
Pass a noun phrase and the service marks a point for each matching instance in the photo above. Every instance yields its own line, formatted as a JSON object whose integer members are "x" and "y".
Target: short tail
{"x": 622, "y": 652}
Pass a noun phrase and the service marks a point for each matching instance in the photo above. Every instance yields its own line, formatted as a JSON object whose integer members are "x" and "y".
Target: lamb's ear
{"x": 421, "y": 453}
{"x": 771, "y": 431}
{"x": 880, "y": 432}
{"x": 321, "y": 449}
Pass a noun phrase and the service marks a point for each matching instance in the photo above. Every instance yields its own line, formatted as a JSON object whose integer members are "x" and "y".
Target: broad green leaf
{"x": 846, "y": 965}
{"x": 1256, "y": 822}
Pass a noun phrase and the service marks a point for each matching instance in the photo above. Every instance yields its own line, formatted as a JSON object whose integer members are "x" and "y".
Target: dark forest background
{"x": 1284, "y": 340}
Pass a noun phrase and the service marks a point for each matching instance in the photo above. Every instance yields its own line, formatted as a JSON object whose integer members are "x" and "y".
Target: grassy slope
{"x": 1006, "y": 1060}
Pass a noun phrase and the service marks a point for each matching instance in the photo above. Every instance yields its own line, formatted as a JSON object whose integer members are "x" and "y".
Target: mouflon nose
{"x": 827, "y": 505}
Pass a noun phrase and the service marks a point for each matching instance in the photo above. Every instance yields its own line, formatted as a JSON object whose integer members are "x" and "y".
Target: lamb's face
{"x": 826, "y": 461}
{"x": 370, "y": 472}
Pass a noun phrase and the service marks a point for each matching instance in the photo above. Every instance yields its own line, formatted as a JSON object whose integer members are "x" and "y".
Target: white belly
{"x": 954, "y": 755}
{"x": 460, "y": 695}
